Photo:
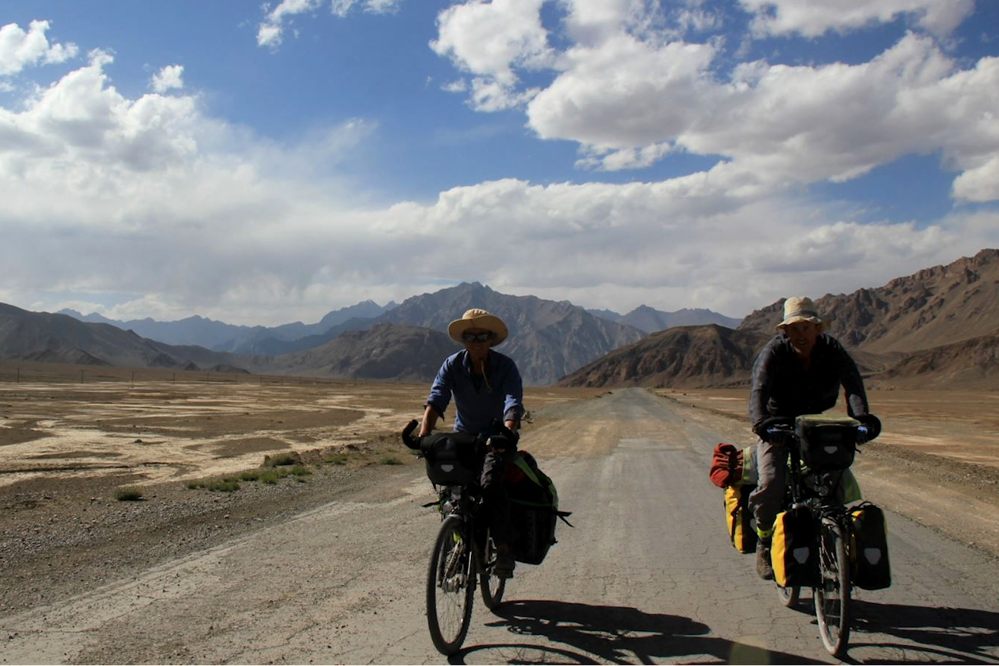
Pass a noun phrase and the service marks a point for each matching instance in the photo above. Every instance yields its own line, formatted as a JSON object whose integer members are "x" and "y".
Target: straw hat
{"x": 477, "y": 318}
{"x": 799, "y": 308}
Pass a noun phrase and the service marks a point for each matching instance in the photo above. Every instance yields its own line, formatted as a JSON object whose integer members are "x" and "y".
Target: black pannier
{"x": 869, "y": 549}
{"x": 827, "y": 442}
{"x": 794, "y": 551}
{"x": 452, "y": 458}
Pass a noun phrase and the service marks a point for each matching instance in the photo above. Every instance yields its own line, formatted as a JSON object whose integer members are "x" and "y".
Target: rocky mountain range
{"x": 650, "y": 320}
{"x": 548, "y": 339}
{"x": 384, "y": 351}
{"x": 936, "y": 328}
{"x": 58, "y": 338}
{"x": 245, "y": 340}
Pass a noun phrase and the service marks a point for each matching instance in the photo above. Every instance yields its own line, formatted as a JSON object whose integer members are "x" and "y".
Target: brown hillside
{"x": 57, "y": 338}
{"x": 936, "y": 306}
{"x": 386, "y": 351}
{"x": 969, "y": 364}
{"x": 683, "y": 357}
{"x": 937, "y": 327}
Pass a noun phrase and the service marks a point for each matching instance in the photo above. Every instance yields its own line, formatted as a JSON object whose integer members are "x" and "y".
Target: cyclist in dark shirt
{"x": 800, "y": 371}
{"x": 487, "y": 389}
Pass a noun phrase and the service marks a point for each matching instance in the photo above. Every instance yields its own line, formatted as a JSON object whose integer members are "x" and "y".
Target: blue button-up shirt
{"x": 478, "y": 402}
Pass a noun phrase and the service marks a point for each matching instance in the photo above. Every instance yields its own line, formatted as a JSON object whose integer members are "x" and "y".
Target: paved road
{"x": 646, "y": 576}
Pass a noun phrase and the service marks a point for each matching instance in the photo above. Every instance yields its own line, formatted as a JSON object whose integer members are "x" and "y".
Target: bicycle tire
{"x": 832, "y": 598}
{"x": 450, "y": 586}
{"x": 491, "y": 586}
{"x": 789, "y": 596}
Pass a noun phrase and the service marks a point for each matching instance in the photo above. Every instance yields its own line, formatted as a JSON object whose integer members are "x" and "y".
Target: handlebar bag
{"x": 869, "y": 548}
{"x": 794, "y": 551}
{"x": 827, "y": 442}
{"x": 738, "y": 517}
{"x": 452, "y": 458}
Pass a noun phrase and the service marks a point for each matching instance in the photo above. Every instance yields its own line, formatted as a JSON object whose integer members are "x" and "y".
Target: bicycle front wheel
{"x": 832, "y": 598}
{"x": 491, "y": 585}
{"x": 450, "y": 586}
{"x": 789, "y": 596}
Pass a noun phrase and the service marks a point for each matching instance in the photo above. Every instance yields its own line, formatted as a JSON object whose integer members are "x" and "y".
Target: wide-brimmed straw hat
{"x": 799, "y": 308}
{"x": 477, "y": 318}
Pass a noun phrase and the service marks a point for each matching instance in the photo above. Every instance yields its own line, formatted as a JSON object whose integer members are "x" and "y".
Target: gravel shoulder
{"x": 61, "y": 537}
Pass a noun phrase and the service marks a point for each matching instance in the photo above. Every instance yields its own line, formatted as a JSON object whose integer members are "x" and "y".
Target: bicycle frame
{"x": 818, "y": 491}
{"x": 464, "y": 503}
{"x": 462, "y": 559}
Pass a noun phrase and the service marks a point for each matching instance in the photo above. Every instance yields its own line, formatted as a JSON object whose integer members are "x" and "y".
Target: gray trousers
{"x": 495, "y": 495}
{"x": 768, "y": 497}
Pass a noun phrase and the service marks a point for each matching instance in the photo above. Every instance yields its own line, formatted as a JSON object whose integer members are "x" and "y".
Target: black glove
{"x": 873, "y": 425}
{"x": 504, "y": 439}
{"x": 775, "y": 430}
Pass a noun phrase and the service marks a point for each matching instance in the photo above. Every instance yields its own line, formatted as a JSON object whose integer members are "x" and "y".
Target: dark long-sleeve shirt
{"x": 782, "y": 386}
{"x": 478, "y": 401}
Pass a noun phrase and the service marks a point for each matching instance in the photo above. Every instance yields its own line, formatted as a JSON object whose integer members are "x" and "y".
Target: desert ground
{"x": 73, "y": 439}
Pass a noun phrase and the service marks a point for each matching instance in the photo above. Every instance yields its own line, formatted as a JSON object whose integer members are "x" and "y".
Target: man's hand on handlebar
{"x": 505, "y": 440}
{"x": 870, "y": 427}
{"x": 776, "y": 430}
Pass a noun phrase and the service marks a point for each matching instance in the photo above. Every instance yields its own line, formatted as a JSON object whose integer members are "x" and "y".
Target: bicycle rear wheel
{"x": 832, "y": 598}
{"x": 450, "y": 586}
{"x": 491, "y": 585}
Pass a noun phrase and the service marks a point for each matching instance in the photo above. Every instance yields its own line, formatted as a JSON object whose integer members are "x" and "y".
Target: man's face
{"x": 477, "y": 341}
{"x": 802, "y": 335}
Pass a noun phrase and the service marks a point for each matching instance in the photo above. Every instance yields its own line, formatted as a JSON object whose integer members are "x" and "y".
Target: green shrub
{"x": 283, "y": 459}
{"x": 336, "y": 459}
{"x": 128, "y": 494}
{"x": 390, "y": 460}
{"x": 272, "y": 476}
{"x": 225, "y": 485}
{"x": 222, "y": 484}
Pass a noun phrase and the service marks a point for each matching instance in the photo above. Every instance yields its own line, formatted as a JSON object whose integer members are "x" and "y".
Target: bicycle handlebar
{"x": 782, "y": 430}
{"x": 407, "y": 435}
{"x": 506, "y": 435}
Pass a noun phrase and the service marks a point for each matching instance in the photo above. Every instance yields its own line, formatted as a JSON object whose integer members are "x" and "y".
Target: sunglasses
{"x": 477, "y": 337}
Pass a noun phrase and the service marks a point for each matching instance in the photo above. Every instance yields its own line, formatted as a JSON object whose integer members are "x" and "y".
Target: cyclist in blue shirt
{"x": 487, "y": 389}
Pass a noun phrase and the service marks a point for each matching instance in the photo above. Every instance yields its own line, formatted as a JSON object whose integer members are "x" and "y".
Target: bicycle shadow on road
{"x": 956, "y": 635}
{"x": 619, "y": 634}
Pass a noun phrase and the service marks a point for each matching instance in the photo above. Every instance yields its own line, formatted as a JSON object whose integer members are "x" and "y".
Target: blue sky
{"x": 261, "y": 164}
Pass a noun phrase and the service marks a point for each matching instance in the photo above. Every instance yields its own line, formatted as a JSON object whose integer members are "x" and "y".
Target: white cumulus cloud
{"x": 270, "y": 32}
{"x": 812, "y": 19}
{"x": 20, "y": 48}
{"x": 169, "y": 78}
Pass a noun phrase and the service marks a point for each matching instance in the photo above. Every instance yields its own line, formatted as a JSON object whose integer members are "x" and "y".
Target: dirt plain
{"x": 70, "y": 438}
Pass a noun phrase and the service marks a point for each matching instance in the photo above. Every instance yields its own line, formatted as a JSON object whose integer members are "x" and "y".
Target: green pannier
{"x": 533, "y": 509}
